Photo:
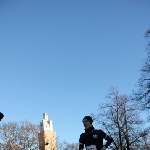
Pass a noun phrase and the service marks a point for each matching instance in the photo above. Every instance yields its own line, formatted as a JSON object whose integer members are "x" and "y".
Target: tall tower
{"x": 47, "y": 137}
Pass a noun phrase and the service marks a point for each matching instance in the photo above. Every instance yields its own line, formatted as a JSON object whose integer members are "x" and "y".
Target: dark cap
{"x": 89, "y": 118}
{"x": 1, "y": 116}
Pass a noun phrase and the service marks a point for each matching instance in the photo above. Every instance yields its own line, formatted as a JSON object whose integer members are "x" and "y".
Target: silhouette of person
{"x": 92, "y": 139}
{"x": 1, "y": 116}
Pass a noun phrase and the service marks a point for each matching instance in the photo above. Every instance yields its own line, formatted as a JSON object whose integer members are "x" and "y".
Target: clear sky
{"x": 61, "y": 57}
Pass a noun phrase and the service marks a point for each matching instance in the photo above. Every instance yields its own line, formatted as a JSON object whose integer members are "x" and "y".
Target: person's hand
{"x": 104, "y": 148}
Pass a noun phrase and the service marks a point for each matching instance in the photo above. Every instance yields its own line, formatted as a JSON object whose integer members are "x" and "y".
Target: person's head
{"x": 1, "y": 116}
{"x": 87, "y": 122}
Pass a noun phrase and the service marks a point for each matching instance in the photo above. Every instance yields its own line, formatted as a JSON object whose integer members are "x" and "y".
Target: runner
{"x": 92, "y": 139}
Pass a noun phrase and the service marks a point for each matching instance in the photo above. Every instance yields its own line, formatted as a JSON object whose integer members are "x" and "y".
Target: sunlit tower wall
{"x": 47, "y": 137}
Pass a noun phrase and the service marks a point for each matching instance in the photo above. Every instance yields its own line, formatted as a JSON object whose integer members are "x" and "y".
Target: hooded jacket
{"x": 92, "y": 139}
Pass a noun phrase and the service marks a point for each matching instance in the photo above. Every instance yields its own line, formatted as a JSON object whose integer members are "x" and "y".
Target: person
{"x": 92, "y": 139}
{"x": 1, "y": 116}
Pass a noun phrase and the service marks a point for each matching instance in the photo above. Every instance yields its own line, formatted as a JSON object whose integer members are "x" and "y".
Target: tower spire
{"x": 46, "y": 124}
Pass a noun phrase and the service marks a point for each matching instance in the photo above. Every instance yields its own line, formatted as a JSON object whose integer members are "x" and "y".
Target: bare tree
{"x": 19, "y": 136}
{"x": 146, "y": 145}
{"x": 60, "y": 145}
{"x": 142, "y": 94}
{"x": 120, "y": 118}
{"x": 66, "y": 145}
{"x": 72, "y": 146}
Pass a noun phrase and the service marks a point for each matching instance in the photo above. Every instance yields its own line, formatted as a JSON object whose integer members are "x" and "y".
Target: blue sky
{"x": 61, "y": 57}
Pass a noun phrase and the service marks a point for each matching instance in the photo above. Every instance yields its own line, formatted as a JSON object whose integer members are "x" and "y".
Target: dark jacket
{"x": 1, "y": 116}
{"x": 95, "y": 137}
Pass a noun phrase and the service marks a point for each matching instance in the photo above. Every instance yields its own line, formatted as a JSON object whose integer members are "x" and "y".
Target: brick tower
{"x": 47, "y": 137}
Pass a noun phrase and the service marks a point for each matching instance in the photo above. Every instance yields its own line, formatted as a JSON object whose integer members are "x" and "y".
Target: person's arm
{"x": 81, "y": 142}
{"x": 107, "y": 138}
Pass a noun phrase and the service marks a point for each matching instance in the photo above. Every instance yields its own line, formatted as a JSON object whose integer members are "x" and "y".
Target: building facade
{"x": 47, "y": 137}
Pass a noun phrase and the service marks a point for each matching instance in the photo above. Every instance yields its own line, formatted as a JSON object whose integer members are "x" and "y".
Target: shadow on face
{"x": 86, "y": 124}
